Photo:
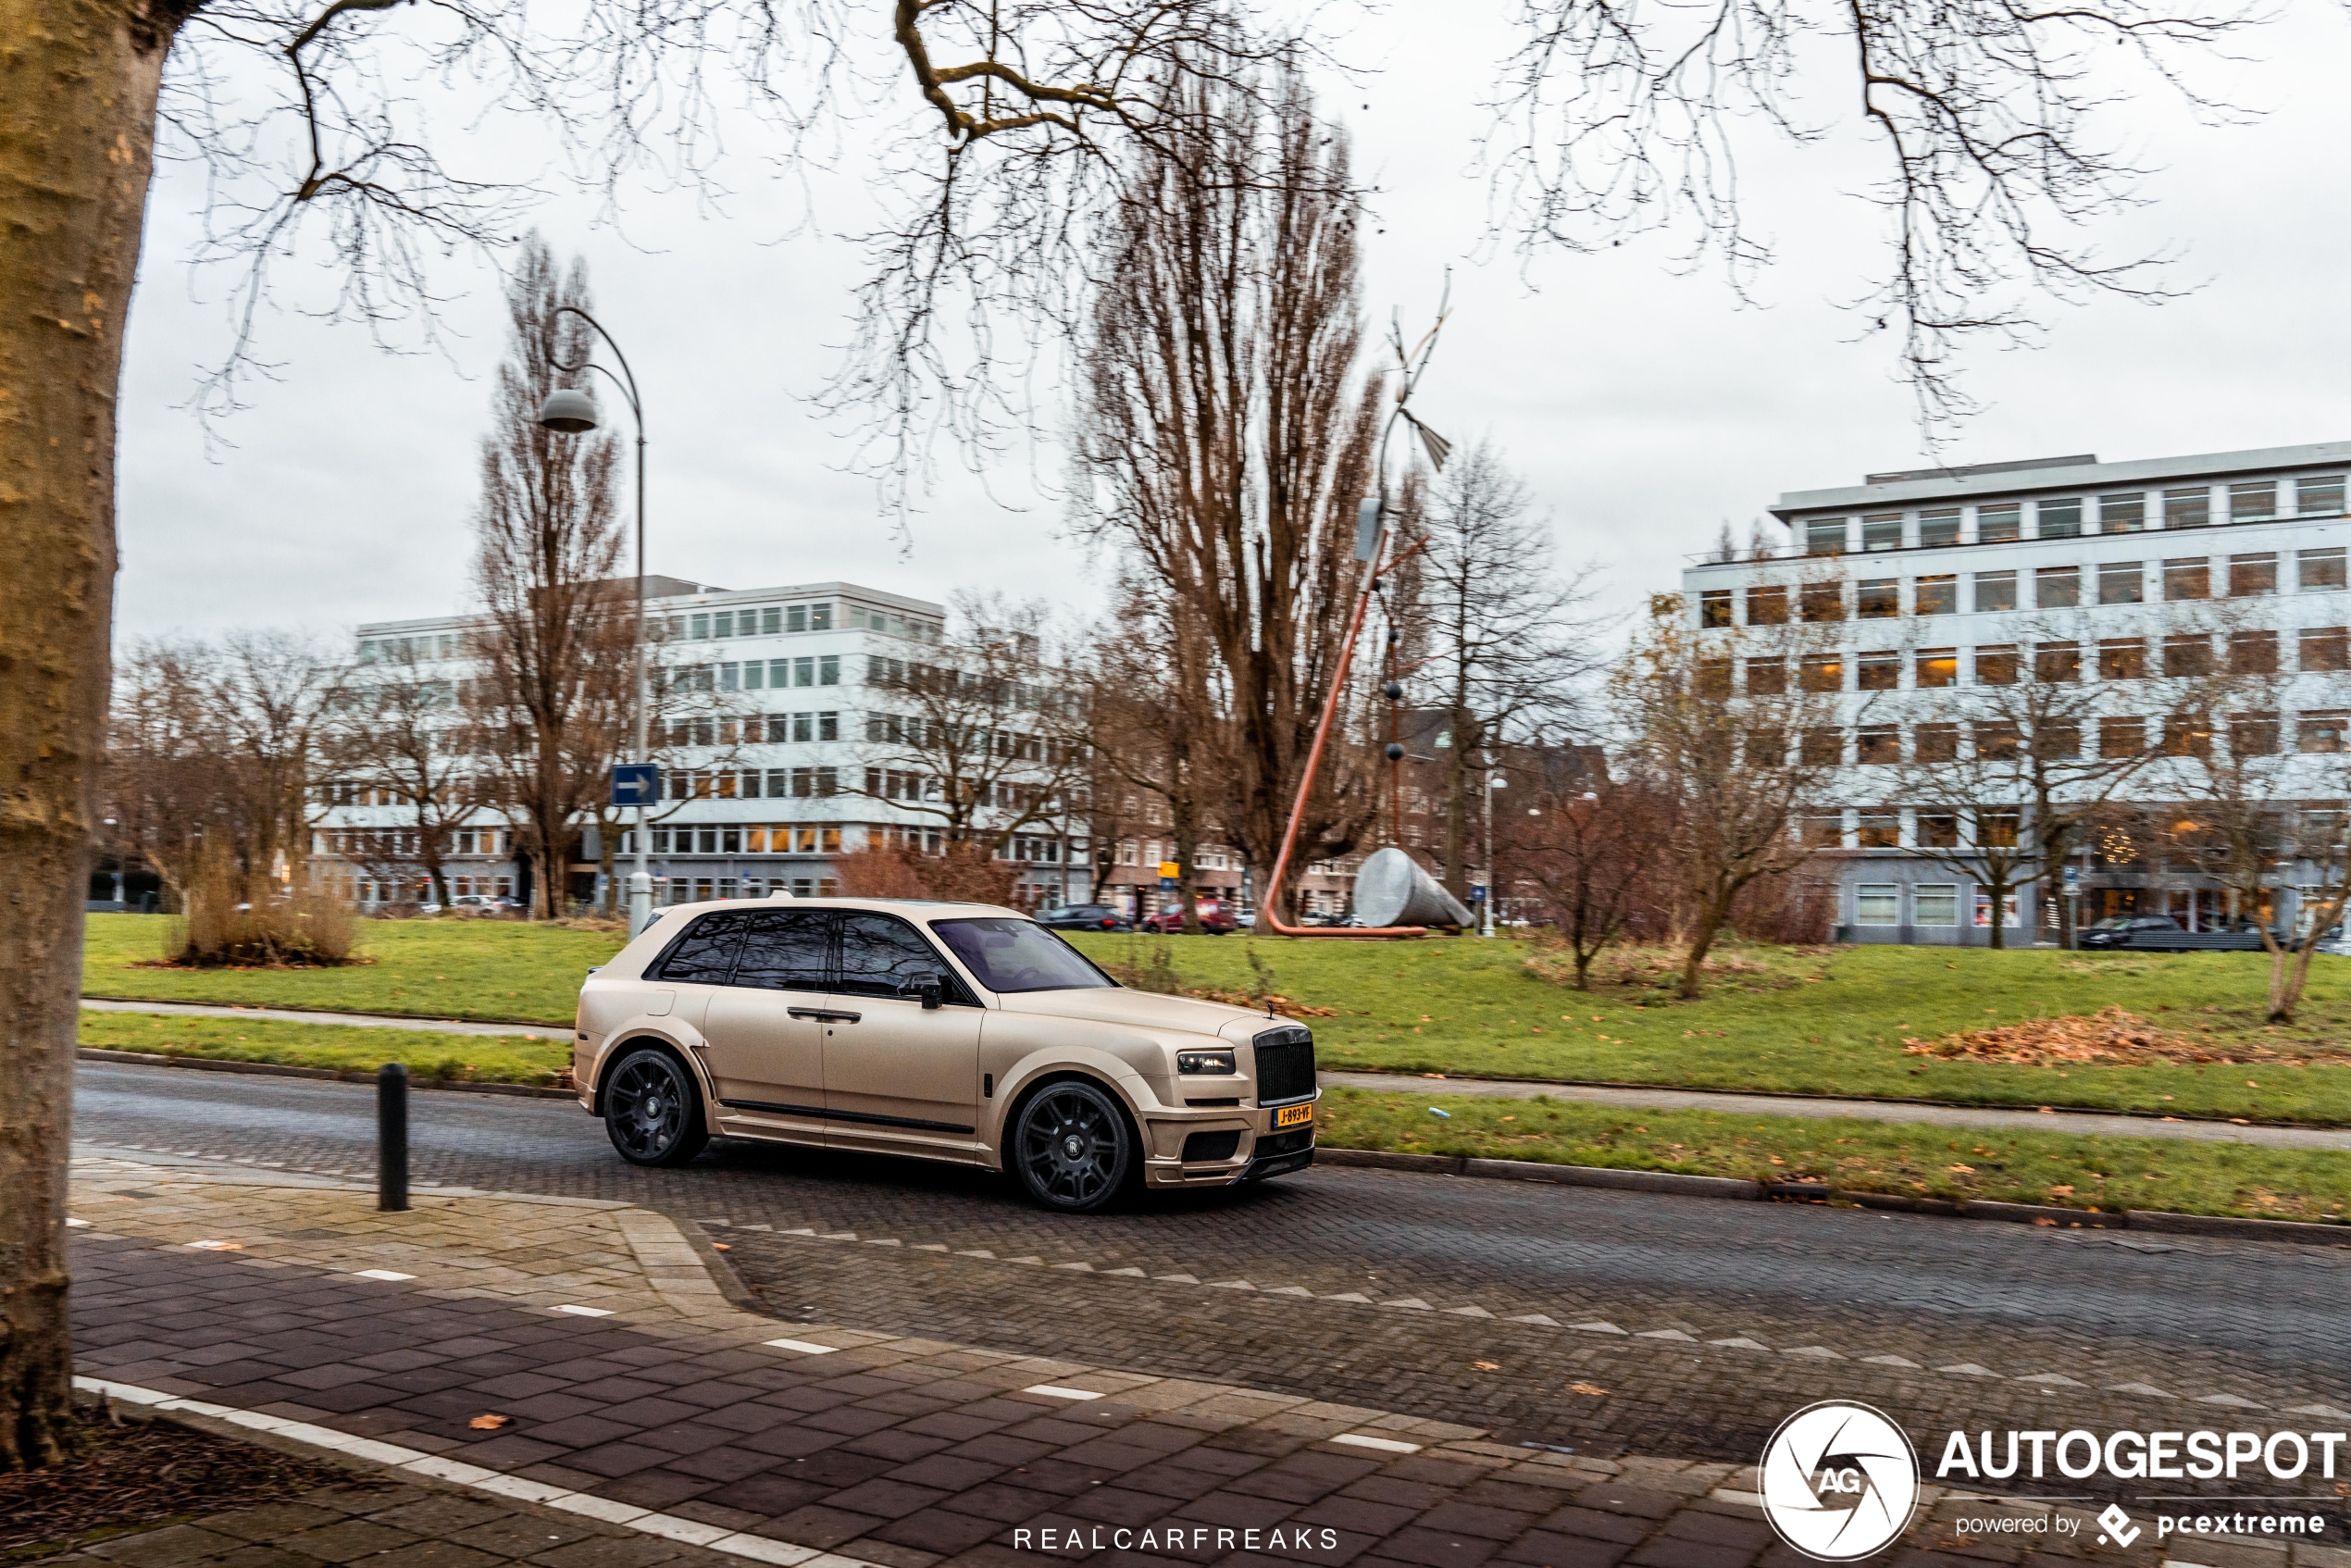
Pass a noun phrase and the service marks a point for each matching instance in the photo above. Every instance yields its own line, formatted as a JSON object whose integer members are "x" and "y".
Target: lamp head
{"x": 568, "y": 411}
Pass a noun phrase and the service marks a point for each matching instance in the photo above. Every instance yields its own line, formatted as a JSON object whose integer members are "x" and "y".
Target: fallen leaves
{"x": 489, "y": 1422}
{"x": 1593, "y": 1388}
{"x": 2111, "y": 1035}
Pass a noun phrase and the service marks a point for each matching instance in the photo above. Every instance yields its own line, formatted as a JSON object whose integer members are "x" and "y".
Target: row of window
{"x": 386, "y": 843}
{"x": 1945, "y": 828}
{"x": 771, "y": 620}
{"x": 2187, "y": 656}
{"x": 2313, "y": 732}
{"x": 2052, "y": 588}
{"x": 1932, "y": 903}
{"x": 703, "y": 890}
{"x": 737, "y": 838}
{"x": 749, "y": 783}
{"x": 754, "y": 675}
{"x": 408, "y": 650}
{"x": 748, "y": 730}
{"x": 2181, "y": 506}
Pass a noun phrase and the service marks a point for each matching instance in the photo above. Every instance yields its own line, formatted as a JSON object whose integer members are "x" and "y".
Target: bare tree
{"x": 1984, "y": 118}
{"x": 553, "y": 648}
{"x": 972, "y": 742}
{"x": 1588, "y": 844}
{"x": 1225, "y": 434}
{"x": 1491, "y": 629}
{"x": 398, "y": 732}
{"x": 1733, "y": 770}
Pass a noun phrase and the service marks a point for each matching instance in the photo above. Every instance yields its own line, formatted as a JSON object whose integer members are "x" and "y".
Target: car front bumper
{"x": 1260, "y": 1148}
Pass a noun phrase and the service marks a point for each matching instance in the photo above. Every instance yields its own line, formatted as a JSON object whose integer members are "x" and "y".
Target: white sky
{"x": 1643, "y": 408}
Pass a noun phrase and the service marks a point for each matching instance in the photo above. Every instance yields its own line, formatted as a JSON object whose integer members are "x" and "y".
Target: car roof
{"x": 921, "y": 909}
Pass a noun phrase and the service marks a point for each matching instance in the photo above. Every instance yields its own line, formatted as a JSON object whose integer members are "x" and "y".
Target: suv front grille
{"x": 1285, "y": 1063}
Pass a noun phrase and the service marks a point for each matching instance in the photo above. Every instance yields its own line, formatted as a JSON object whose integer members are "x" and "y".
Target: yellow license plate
{"x": 1294, "y": 1115}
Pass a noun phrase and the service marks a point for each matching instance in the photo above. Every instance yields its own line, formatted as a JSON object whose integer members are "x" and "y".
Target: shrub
{"x": 237, "y": 920}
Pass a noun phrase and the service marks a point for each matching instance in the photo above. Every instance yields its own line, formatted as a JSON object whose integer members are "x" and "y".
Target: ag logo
{"x": 1840, "y": 1481}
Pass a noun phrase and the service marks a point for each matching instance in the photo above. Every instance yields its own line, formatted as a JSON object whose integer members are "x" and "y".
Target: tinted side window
{"x": 705, "y": 954}
{"x": 882, "y": 955}
{"x": 786, "y": 951}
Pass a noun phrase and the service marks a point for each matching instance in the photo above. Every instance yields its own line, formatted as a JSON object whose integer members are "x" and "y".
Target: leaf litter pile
{"x": 2111, "y": 1036}
{"x": 143, "y": 1473}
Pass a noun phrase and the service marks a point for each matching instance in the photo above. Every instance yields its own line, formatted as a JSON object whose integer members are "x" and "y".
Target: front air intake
{"x": 1285, "y": 1065}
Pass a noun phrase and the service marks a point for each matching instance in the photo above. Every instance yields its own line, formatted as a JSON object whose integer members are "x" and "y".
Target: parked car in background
{"x": 1084, "y": 918}
{"x": 1214, "y": 919}
{"x": 943, "y": 1031}
{"x": 483, "y": 904}
{"x": 2116, "y": 930}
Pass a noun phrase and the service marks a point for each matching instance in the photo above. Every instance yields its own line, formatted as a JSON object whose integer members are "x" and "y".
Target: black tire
{"x": 652, "y": 1109}
{"x": 1072, "y": 1146}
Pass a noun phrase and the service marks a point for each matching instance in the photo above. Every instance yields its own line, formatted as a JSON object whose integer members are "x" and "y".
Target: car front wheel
{"x": 653, "y": 1110}
{"x": 1072, "y": 1148}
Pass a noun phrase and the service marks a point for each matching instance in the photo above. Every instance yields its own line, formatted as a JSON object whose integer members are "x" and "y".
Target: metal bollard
{"x": 391, "y": 1138}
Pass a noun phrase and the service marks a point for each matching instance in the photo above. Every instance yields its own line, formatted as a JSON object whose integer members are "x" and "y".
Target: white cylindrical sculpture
{"x": 1392, "y": 890}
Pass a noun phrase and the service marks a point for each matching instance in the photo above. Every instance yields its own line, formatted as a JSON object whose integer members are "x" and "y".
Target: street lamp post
{"x": 569, "y": 410}
{"x": 1493, "y": 782}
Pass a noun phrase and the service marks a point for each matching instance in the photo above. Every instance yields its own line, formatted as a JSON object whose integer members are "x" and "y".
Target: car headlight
{"x": 1193, "y": 1063}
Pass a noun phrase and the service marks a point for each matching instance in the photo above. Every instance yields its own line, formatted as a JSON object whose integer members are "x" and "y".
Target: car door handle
{"x": 825, "y": 1015}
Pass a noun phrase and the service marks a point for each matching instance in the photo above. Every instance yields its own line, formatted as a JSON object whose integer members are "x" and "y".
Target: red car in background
{"x": 1214, "y": 919}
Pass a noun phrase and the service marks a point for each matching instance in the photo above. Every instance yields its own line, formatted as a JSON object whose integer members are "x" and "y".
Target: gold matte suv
{"x": 947, "y": 1032}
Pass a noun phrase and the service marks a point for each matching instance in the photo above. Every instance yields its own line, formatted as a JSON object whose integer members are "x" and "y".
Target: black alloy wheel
{"x": 1072, "y": 1148}
{"x": 653, "y": 1110}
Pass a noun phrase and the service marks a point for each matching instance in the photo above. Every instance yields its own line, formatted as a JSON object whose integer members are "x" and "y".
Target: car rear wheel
{"x": 1072, "y": 1148}
{"x": 653, "y": 1110}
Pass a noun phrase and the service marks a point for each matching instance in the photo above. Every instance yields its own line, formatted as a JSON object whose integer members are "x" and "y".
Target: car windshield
{"x": 1007, "y": 954}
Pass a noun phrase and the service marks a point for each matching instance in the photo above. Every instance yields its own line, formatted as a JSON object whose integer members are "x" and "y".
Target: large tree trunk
{"x": 78, "y": 84}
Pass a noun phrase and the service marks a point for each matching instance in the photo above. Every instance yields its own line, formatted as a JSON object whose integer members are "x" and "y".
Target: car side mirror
{"x": 931, "y": 991}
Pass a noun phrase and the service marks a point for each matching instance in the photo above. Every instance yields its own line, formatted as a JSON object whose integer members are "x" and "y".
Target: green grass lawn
{"x": 1826, "y": 1021}
{"x": 1861, "y": 1156}
{"x": 495, "y": 971}
{"x": 511, "y": 1059}
{"x": 1822, "y": 1021}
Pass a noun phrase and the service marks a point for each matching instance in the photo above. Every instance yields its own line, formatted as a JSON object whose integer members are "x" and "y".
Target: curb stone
{"x": 1674, "y": 1183}
{"x": 272, "y": 1069}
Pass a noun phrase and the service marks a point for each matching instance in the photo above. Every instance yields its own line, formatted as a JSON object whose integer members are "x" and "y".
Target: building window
{"x": 1875, "y": 598}
{"x": 1995, "y": 665}
{"x": 2187, "y": 577}
{"x": 1877, "y": 743}
{"x": 1824, "y": 536}
{"x": 1878, "y": 672}
{"x": 1877, "y": 904}
{"x": 2122, "y": 513}
{"x": 771, "y": 620}
{"x": 2321, "y": 732}
{"x": 1882, "y": 532}
{"x": 796, "y": 619}
{"x": 2190, "y": 507}
{"x": 1766, "y": 748}
{"x": 1938, "y": 595}
{"x": 1939, "y": 528}
{"x": 2123, "y": 736}
{"x": 2318, "y": 571}
{"x": 1937, "y": 828}
{"x": 1822, "y": 601}
{"x": 2056, "y": 661}
{"x": 1998, "y": 829}
{"x": 2255, "y": 503}
{"x": 2060, "y": 519}
{"x": 2122, "y": 658}
{"x": 1825, "y": 832}
{"x": 1995, "y": 591}
{"x": 700, "y": 627}
{"x": 2253, "y": 653}
{"x": 1997, "y": 525}
{"x": 2056, "y": 587}
{"x": 1766, "y": 678}
{"x": 1938, "y": 666}
{"x": 1713, "y": 677}
{"x": 2122, "y": 583}
{"x": 1714, "y": 608}
{"x": 829, "y": 670}
{"x": 2187, "y": 735}
{"x": 2058, "y": 738}
{"x": 1767, "y": 606}
{"x": 2187, "y": 655}
{"x": 1823, "y": 746}
{"x": 2252, "y": 576}
{"x": 1934, "y": 903}
{"x": 2326, "y": 648}
{"x": 2319, "y": 496}
{"x": 1821, "y": 672}
{"x": 2253, "y": 735}
{"x": 1936, "y": 742}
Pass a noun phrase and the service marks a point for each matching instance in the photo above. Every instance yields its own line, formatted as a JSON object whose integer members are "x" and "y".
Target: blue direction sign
{"x": 636, "y": 783}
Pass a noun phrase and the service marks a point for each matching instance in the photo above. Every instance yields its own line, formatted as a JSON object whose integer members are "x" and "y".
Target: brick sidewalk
{"x": 634, "y": 1390}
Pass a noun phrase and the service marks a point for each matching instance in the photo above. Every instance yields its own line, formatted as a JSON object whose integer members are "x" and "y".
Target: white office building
{"x": 1945, "y": 579}
{"x": 765, "y": 786}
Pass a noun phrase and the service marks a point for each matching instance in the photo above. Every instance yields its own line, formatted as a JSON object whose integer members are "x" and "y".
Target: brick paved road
{"x": 1309, "y": 1285}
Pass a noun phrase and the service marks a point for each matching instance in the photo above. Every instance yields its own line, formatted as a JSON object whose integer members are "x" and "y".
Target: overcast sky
{"x": 1643, "y": 408}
